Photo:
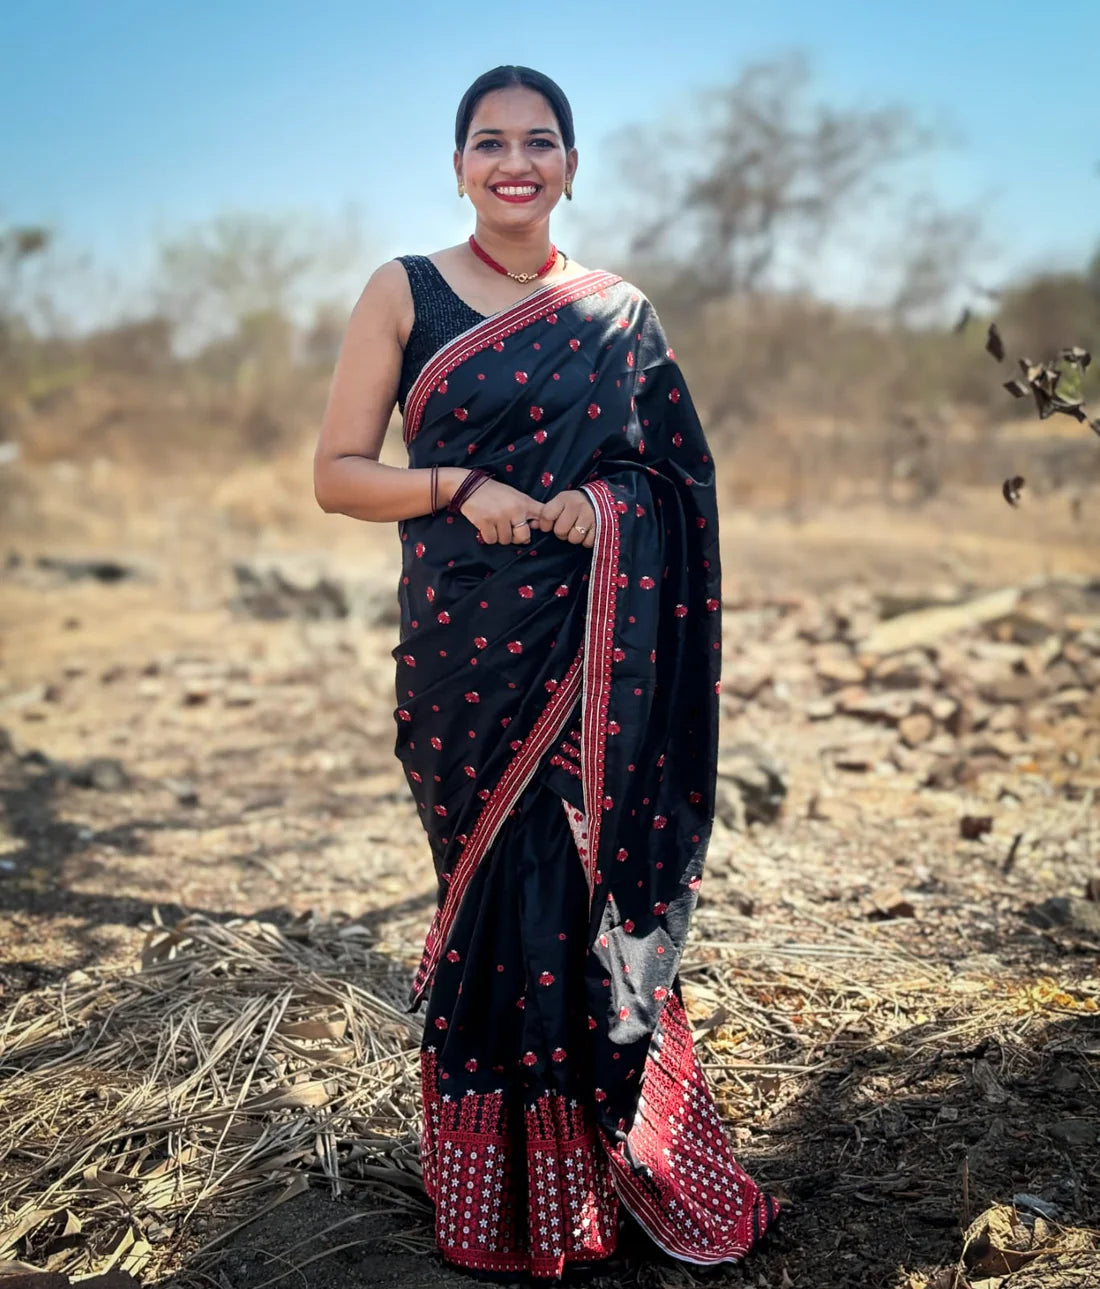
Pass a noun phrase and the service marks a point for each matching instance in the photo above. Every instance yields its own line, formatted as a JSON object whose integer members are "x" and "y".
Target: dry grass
{"x": 149, "y": 1113}
{"x": 140, "y": 1108}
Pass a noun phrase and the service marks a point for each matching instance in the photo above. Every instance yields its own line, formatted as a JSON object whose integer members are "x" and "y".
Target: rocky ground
{"x": 893, "y": 968}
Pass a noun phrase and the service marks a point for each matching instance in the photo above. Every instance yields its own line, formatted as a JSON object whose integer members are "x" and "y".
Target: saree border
{"x": 512, "y": 783}
{"x": 598, "y": 647}
{"x": 494, "y": 329}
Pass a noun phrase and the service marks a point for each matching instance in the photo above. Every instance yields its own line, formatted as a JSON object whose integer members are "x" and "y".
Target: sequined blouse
{"x": 438, "y": 316}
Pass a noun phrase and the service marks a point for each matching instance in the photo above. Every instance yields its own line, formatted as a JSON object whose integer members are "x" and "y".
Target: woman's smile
{"x": 516, "y": 192}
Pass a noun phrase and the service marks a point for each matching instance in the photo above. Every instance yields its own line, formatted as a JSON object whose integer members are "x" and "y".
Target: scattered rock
{"x": 751, "y": 786}
{"x": 1074, "y": 1133}
{"x": 837, "y": 672}
{"x": 887, "y": 903}
{"x": 972, "y": 827}
{"x": 917, "y": 728}
{"x": 1070, "y": 911}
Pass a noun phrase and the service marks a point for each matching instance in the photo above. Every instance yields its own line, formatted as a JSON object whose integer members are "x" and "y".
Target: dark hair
{"x": 502, "y": 78}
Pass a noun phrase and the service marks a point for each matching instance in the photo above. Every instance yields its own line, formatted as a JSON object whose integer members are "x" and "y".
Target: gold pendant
{"x": 523, "y": 277}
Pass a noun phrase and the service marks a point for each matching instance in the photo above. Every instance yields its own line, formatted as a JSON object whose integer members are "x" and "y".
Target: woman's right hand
{"x": 496, "y": 510}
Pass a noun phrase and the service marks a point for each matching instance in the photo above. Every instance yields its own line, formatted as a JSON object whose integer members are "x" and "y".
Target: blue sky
{"x": 124, "y": 119}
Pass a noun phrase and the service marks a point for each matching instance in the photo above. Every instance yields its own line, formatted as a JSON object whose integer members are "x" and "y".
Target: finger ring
{"x": 518, "y": 523}
{"x": 580, "y": 527}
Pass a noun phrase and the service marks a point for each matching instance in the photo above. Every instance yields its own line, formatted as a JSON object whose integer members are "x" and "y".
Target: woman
{"x": 557, "y": 679}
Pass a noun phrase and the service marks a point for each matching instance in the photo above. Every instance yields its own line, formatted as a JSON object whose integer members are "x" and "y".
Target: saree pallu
{"x": 557, "y": 720}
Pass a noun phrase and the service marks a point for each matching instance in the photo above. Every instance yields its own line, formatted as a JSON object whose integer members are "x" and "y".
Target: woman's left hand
{"x": 566, "y": 515}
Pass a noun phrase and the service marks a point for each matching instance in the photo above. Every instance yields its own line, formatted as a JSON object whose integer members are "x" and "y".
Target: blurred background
{"x": 828, "y": 204}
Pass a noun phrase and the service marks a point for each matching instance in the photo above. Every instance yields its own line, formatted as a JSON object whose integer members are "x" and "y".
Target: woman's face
{"x": 514, "y": 164}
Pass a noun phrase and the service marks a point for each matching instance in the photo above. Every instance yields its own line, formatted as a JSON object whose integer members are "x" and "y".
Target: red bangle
{"x": 466, "y": 488}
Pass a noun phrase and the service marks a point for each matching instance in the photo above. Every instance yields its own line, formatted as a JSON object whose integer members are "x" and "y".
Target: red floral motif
{"x": 695, "y": 797}
{"x": 713, "y": 606}
{"x": 521, "y": 377}
{"x": 660, "y": 993}
{"x": 529, "y": 1058}
{"x": 618, "y": 655}
{"x": 561, "y": 590}
{"x": 613, "y": 727}
{"x": 674, "y": 395}
{"x": 480, "y": 641}
{"x": 593, "y": 411}
{"x": 660, "y": 907}
{"x": 440, "y": 1022}
{"x": 681, "y": 610}
{"x": 624, "y": 1013}
{"x": 453, "y": 955}
{"x": 403, "y": 714}
{"x": 441, "y": 388}
{"x": 547, "y": 479}
{"x": 646, "y": 583}
{"x": 429, "y": 593}
{"x": 574, "y": 345}
{"x": 550, "y": 685}
{"x": 623, "y": 855}
{"x": 472, "y": 696}
{"x": 628, "y": 925}
{"x": 527, "y": 592}
{"x": 498, "y": 345}
{"x": 694, "y": 883}
{"x": 515, "y": 646}
{"x": 546, "y": 978}
{"x": 443, "y": 617}
{"x": 558, "y": 1054}
{"x": 418, "y": 550}
{"x": 599, "y": 1094}
{"x": 536, "y": 412}
{"x": 436, "y": 742}
{"x": 408, "y": 660}
{"x": 471, "y": 773}
{"x": 461, "y": 414}
{"x": 471, "y": 1065}
{"x": 440, "y": 810}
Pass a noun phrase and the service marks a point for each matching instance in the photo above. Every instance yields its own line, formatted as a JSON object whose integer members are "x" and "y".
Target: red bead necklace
{"x": 486, "y": 258}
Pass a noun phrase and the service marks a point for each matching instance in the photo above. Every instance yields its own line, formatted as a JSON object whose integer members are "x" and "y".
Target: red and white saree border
{"x": 599, "y": 642}
{"x": 512, "y": 783}
{"x": 494, "y": 329}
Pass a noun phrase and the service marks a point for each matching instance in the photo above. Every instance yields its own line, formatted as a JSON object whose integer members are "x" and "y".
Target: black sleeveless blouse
{"x": 438, "y": 316}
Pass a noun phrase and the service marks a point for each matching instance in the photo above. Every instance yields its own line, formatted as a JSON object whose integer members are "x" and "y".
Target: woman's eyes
{"x": 486, "y": 144}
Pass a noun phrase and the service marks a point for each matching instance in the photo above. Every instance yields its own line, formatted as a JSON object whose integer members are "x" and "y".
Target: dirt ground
{"x": 898, "y": 1008}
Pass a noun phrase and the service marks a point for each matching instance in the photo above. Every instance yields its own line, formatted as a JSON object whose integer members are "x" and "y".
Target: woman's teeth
{"x": 511, "y": 190}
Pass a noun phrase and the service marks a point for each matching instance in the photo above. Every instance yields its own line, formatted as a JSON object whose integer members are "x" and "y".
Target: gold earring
{"x": 568, "y": 190}
{"x": 461, "y": 189}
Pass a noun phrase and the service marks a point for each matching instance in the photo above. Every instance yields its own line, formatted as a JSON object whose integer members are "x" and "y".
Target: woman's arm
{"x": 348, "y": 478}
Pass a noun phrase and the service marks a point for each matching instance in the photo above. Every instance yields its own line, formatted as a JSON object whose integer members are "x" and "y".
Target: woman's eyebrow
{"x": 538, "y": 129}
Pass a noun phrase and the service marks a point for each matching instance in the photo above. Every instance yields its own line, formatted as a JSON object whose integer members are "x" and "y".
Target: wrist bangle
{"x": 466, "y": 488}
{"x": 433, "y": 494}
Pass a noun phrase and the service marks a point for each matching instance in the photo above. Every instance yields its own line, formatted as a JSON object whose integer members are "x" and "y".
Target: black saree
{"x": 557, "y": 721}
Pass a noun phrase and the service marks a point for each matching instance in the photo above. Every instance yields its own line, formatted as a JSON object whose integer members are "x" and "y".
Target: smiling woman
{"x": 557, "y": 713}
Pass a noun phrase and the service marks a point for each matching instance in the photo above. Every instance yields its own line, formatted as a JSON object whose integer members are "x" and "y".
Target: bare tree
{"x": 754, "y": 168}
{"x": 213, "y": 277}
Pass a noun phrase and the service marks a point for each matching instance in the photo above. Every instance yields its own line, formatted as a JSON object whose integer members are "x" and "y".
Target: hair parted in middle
{"x": 503, "y": 77}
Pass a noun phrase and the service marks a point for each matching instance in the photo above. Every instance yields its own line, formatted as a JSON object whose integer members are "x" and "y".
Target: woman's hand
{"x": 570, "y": 516}
{"x": 502, "y": 514}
